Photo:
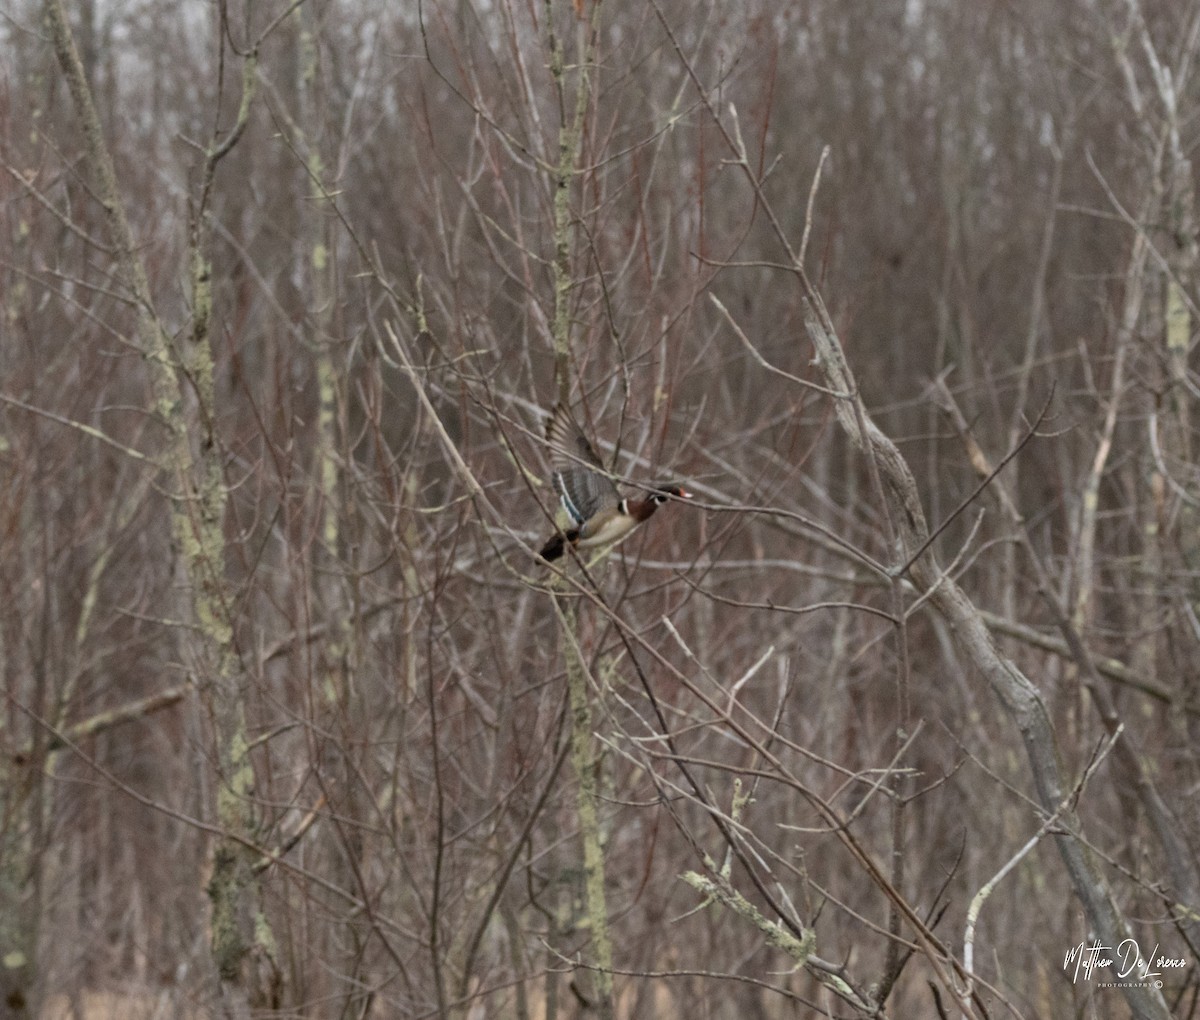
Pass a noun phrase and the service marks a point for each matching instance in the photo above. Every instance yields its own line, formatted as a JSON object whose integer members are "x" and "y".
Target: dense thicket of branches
{"x": 286, "y": 727}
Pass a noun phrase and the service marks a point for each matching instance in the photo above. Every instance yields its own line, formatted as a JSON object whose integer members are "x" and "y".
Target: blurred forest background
{"x": 901, "y": 710}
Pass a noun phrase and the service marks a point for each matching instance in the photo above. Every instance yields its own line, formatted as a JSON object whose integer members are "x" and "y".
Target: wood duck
{"x": 600, "y": 515}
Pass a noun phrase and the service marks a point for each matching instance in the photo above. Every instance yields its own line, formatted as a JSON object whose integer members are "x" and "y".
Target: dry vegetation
{"x": 295, "y": 723}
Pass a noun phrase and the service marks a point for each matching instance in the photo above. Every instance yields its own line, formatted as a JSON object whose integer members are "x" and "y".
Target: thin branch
{"x": 87, "y": 430}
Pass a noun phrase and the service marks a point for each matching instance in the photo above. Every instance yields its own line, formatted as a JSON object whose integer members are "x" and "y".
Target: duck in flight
{"x": 598, "y": 513}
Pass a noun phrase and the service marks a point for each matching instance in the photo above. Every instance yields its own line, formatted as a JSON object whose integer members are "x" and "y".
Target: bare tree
{"x": 897, "y": 715}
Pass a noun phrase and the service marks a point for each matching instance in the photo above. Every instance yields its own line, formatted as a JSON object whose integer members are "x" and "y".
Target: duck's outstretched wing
{"x": 579, "y": 477}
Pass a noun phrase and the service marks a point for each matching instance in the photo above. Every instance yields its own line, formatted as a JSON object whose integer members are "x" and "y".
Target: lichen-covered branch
{"x": 583, "y": 757}
{"x": 183, "y": 404}
{"x": 1015, "y": 690}
{"x": 582, "y": 739}
{"x": 721, "y": 890}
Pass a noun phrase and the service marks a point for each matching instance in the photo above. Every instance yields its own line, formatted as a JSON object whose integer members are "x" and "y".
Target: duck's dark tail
{"x": 553, "y": 549}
